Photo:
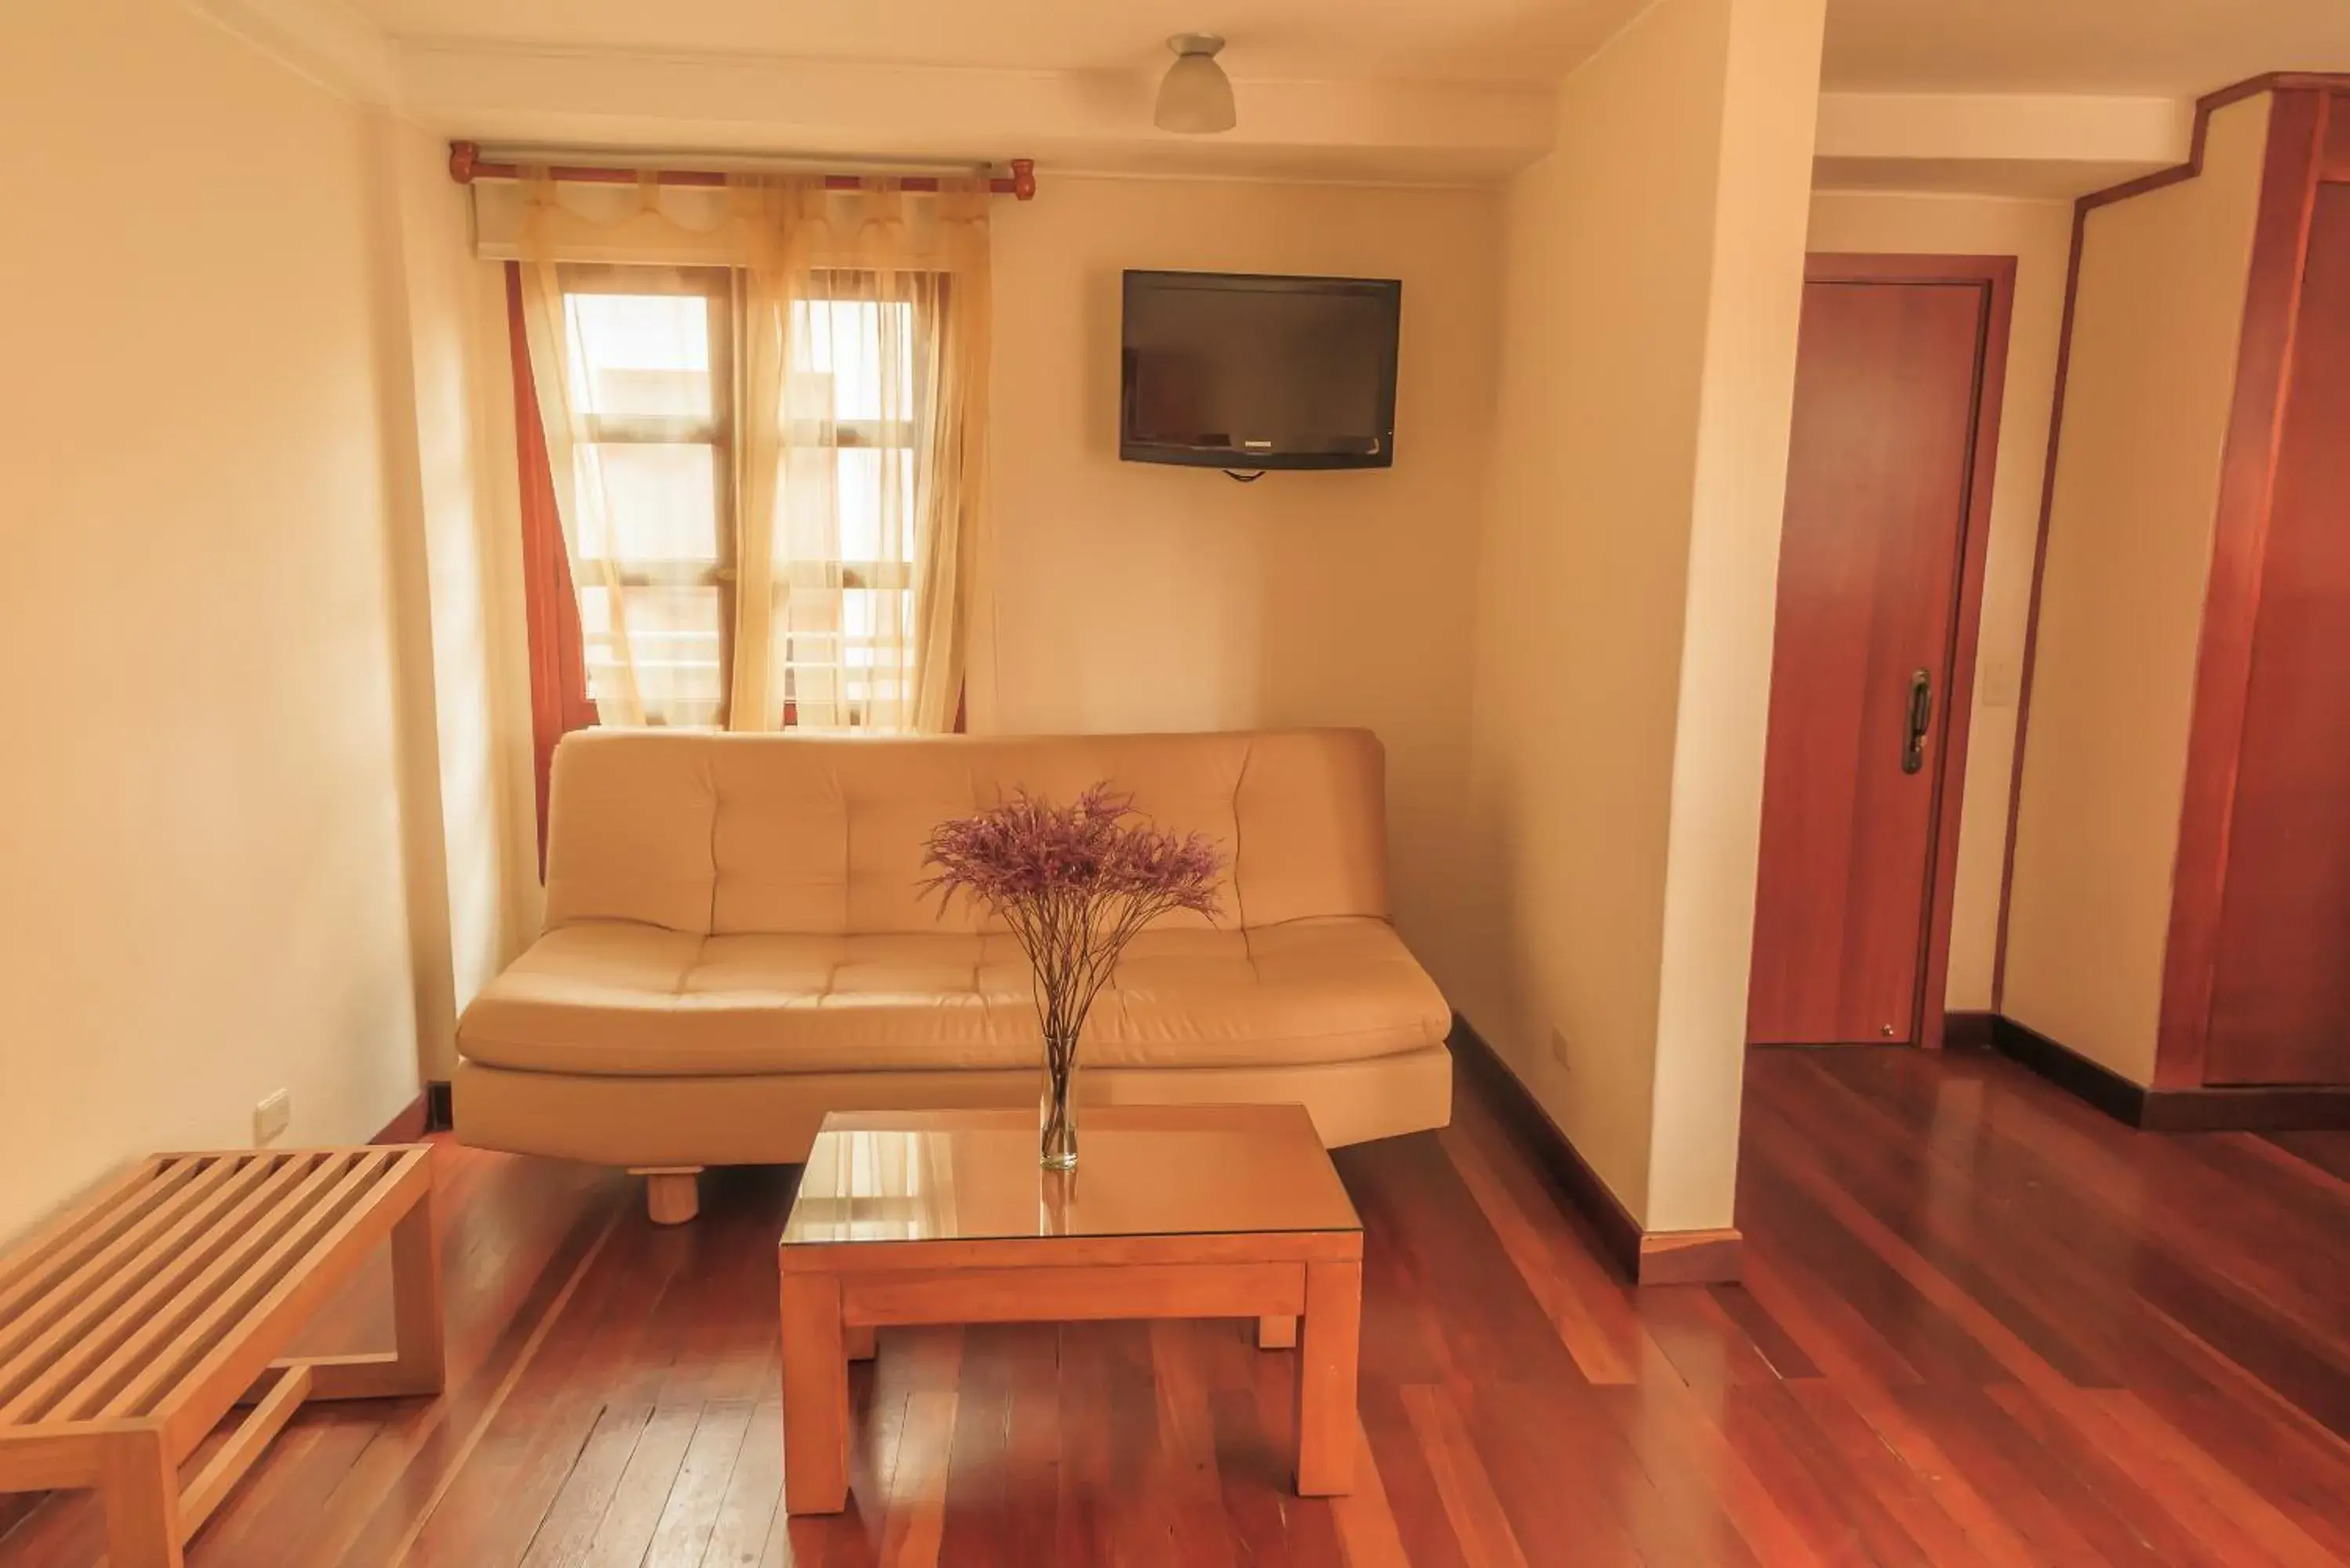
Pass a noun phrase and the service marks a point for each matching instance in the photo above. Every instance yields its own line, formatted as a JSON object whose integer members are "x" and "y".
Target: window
{"x": 845, "y": 609}
{"x": 647, "y": 591}
{"x": 653, "y": 374}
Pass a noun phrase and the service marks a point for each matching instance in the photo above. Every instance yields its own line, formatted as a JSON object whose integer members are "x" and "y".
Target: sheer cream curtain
{"x": 857, "y": 378}
{"x": 862, "y": 458}
{"x": 582, "y": 502}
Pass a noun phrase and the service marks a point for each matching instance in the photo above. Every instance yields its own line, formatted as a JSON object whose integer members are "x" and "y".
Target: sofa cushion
{"x": 725, "y": 834}
{"x": 608, "y": 997}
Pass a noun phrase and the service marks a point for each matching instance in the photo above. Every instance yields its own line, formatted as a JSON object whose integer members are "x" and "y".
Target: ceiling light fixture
{"x": 1196, "y": 97}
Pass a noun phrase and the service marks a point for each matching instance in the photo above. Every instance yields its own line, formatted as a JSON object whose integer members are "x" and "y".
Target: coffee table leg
{"x": 815, "y": 1397}
{"x": 1326, "y": 1379}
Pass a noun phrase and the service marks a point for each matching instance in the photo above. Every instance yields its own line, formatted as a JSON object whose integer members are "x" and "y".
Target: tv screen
{"x": 1230, "y": 370}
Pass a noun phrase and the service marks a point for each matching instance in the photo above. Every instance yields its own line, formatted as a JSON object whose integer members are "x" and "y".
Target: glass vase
{"x": 1056, "y": 1112}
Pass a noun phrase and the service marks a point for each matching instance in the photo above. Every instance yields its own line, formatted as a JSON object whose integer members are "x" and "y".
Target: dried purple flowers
{"x": 1074, "y": 883}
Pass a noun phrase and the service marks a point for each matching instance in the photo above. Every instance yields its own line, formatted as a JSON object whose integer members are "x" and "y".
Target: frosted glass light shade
{"x": 1196, "y": 96}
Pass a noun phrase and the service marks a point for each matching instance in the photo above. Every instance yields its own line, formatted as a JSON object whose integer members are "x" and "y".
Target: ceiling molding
{"x": 324, "y": 41}
{"x": 2003, "y": 125}
{"x": 1405, "y": 132}
{"x": 2043, "y": 146}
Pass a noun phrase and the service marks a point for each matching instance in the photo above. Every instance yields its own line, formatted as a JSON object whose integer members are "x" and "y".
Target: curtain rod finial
{"x": 463, "y": 156}
{"x": 1024, "y": 178}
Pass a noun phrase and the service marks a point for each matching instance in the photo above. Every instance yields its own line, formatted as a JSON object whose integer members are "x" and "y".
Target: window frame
{"x": 718, "y": 287}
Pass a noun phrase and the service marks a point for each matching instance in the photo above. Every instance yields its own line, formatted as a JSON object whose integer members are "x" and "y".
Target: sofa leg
{"x": 672, "y": 1192}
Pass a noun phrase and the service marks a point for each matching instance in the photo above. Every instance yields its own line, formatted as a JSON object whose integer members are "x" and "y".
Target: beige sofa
{"x": 736, "y": 942}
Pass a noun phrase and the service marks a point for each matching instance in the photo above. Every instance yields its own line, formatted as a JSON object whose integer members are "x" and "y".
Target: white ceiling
{"x": 2178, "y": 47}
{"x": 2035, "y": 97}
{"x": 1519, "y": 41}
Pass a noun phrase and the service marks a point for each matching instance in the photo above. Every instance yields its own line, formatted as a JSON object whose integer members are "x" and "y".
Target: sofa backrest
{"x": 721, "y": 834}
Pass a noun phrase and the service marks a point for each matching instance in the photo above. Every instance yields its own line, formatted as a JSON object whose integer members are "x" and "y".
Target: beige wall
{"x": 204, "y": 899}
{"x": 2039, "y": 235}
{"x": 1122, "y": 596}
{"x": 2156, "y": 322}
{"x": 1627, "y": 584}
{"x": 1770, "y": 103}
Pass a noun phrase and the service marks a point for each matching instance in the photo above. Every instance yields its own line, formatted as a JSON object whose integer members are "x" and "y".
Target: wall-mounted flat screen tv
{"x": 1239, "y": 372}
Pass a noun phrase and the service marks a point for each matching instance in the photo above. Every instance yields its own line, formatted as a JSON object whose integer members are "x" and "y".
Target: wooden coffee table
{"x": 944, "y": 1216}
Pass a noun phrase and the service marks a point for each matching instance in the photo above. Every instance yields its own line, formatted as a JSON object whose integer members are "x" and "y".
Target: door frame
{"x": 1995, "y": 275}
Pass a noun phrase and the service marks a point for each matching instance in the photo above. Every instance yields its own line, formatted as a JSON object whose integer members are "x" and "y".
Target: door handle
{"x": 1921, "y": 718}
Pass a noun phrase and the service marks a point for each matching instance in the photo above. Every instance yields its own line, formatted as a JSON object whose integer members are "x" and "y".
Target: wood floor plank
{"x": 398, "y": 1483}
{"x": 1988, "y": 1528}
{"x": 690, "y": 1510}
{"x": 918, "y": 1482}
{"x": 2173, "y": 1533}
{"x": 753, "y": 1500}
{"x": 1981, "y": 1324}
{"x": 527, "y": 1448}
{"x": 641, "y": 1495}
{"x": 1184, "y": 1493}
{"x": 1680, "y": 1438}
{"x": 2224, "y": 1509}
{"x": 566, "y": 1536}
{"x": 1581, "y": 1295}
{"x": 1848, "y": 1452}
{"x": 1839, "y": 1523}
{"x": 1574, "y": 1491}
{"x": 1475, "y": 1514}
{"x": 1367, "y": 1525}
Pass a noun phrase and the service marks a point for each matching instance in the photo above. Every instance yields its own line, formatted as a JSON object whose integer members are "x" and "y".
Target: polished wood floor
{"x": 1984, "y": 1324}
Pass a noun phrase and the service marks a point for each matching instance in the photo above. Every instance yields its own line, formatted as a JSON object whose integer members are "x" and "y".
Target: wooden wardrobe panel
{"x": 2334, "y": 162}
{"x": 2240, "y": 529}
{"x": 2281, "y": 987}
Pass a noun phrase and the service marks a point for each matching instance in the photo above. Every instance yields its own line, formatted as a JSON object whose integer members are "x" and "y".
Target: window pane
{"x": 876, "y": 518}
{"x": 640, "y": 355}
{"x": 674, "y": 633}
{"x": 843, "y": 341}
{"x": 875, "y": 622}
{"x": 663, "y": 500}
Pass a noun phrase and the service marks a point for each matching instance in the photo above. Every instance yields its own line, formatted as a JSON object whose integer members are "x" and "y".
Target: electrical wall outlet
{"x": 1558, "y": 1052}
{"x": 271, "y": 1116}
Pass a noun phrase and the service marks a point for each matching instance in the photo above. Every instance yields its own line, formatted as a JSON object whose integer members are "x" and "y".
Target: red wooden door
{"x": 1887, "y": 382}
{"x": 2281, "y": 983}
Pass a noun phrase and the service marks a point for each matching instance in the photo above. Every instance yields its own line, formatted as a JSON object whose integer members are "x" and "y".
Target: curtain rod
{"x": 466, "y": 165}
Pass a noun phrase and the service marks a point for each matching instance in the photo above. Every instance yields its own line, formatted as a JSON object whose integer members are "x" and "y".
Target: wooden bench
{"x": 129, "y": 1327}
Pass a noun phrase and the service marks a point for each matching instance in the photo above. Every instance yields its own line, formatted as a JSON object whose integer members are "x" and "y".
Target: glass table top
{"x": 1142, "y": 1171}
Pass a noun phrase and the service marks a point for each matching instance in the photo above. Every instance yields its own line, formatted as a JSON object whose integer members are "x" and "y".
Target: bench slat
{"x": 37, "y": 1258}
{"x": 187, "y": 1249}
{"x": 205, "y": 1392}
{"x": 171, "y": 1365}
{"x": 89, "y": 1396}
{"x": 150, "y": 1301}
{"x": 101, "y": 1270}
